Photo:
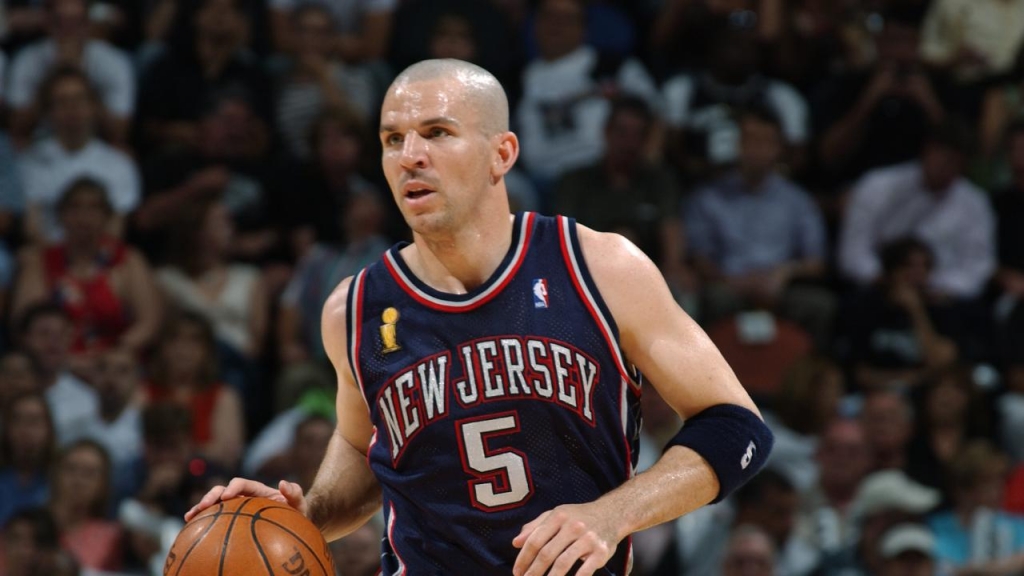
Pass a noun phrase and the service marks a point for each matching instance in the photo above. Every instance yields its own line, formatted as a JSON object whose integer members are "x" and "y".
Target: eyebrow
{"x": 442, "y": 120}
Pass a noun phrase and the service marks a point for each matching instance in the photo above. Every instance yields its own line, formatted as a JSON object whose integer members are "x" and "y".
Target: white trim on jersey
{"x": 354, "y": 329}
{"x": 391, "y": 540}
{"x": 498, "y": 283}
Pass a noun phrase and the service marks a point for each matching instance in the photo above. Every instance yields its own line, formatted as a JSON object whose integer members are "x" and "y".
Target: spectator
{"x": 301, "y": 461}
{"x": 805, "y": 408}
{"x": 27, "y": 444}
{"x": 700, "y": 108}
{"x": 888, "y": 420}
{"x": 894, "y": 334}
{"x": 104, "y": 286}
{"x": 1009, "y": 209}
{"x": 357, "y": 554}
{"x": 907, "y": 550}
{"x": 180, "y": 85}
{"x": 843, "y": 461}
{"x": 17, "y": 376}
{"x": 46, "y": 334}
{"x": 31, "y": 546}
{"x": 564, "y": 104}
{"x": 202, "y": 280}
{"x": 975, "y": 536}
{"x": 80, "y": 502}
{"x": 362, "y": 30}
{"x": 928, "y": 199}
{"x": 999, "y": 162}
{"x": 317, "y": 399}
{"x": 879, "y": 115}
{"x": 167, "y": 456}
{"x": 952, "y": 412}
{"x": 973, "y": 39}
{"x": 230, "y": 164}
{"x": 884, "y": 500}
{"x": 320, "y": 270}
{"x": 74, "y": 151}
{"x": 753, "y": 231}
{"x": 119, "y": 425}
{"x": 750, "y": 552}
{"x": 313, "y": 79}
{"x": 69, "y": 46}
{"x": 625, "y": 193}
{"x": 185, "y": 372}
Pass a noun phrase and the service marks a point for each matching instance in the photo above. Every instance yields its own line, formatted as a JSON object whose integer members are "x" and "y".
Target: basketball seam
{"x": 227, "y": 536}
{"x": 255, "y": 540}
{"x": 299, "y": 540}
{"x": 206, "y": 531}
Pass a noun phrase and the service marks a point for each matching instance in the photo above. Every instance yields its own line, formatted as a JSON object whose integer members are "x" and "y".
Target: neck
{"x": 74, "y": 142}
{"x": 839, "y": 495}
{"x": 460, "y": 260}
{"x": 753, "y": 179}
{"x": 110, "y": 410}
{"x": 889, "y": 459}
{"x": 82, "y": 249}
{"x": 69, "y": 515}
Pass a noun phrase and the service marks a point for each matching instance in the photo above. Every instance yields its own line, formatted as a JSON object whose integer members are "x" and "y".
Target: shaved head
{"x": 478, "y": 88}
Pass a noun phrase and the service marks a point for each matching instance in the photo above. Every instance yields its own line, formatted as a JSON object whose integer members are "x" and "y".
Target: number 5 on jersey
{"x": 501, "y": 477}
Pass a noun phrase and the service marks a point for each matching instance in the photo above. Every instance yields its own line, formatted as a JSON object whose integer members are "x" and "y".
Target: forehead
{"x": 416, "y": 102}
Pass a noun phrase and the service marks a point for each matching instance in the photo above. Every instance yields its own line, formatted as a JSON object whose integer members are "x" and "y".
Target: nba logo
{"x": 540, "y": 293}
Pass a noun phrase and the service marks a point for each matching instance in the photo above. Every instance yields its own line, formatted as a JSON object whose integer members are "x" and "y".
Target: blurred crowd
{"x": 833, "y": 188}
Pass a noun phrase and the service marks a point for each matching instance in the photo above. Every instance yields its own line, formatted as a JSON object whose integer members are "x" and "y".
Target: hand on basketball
{"x": 288, "y": 493}
{"x": 559, "y": 538}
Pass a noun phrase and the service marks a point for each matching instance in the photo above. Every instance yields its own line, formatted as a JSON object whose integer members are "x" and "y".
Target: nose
{"x": 414, "y": 152}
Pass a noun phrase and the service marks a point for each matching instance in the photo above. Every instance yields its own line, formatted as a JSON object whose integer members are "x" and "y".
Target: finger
{"x": 582, "y": 549}
{"x": 243, "y": 487}
{"x": 528, "y": 528}
{"x": 551, "y": 552}
{"x": 211, "y": 498}
{"x": 535, "y": 542}
{"x": 292, "y": 493}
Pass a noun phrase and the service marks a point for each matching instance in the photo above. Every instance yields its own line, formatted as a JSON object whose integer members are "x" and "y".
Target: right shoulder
{"x": 336, "y": 306}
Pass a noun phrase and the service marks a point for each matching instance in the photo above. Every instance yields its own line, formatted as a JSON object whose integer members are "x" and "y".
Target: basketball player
{"x": 488, "y": 372}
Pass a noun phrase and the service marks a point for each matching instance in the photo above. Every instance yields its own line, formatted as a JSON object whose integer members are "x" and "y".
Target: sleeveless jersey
{"x": 491, "y": 407}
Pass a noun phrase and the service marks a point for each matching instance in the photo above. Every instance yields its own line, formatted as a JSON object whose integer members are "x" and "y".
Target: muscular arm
{"x": 689, "y": 373}
{"x": 345, "y": 492}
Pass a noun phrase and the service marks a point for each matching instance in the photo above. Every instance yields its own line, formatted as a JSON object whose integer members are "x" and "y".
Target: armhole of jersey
{"x": 353, "y": 321}
{"x": 591, "y": 296}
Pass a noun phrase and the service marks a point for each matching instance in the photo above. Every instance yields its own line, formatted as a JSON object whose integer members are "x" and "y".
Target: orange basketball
{"x": 249, "y": 537}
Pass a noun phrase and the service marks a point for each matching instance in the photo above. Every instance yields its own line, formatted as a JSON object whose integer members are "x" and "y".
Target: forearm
{"x": 936, "y": 349}
{"x": 680, "y": 482}
{"x": 345, "y": 493}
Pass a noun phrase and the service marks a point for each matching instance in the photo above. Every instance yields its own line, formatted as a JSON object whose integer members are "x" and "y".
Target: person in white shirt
{"x": 74, "y": 151}
{"x": 69, "y": 45}
{"x": 46, "y": 334}
{"x": 928, "y": 199}
{"x": 565, "y": 102}
{"x": 362, "y": 31}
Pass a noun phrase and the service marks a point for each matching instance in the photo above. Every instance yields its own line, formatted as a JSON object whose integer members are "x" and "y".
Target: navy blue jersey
{"x": 491, "y": 407}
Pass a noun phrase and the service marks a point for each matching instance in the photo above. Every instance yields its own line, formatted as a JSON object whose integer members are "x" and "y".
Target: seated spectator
{"x": 750, "y": 552}
{"x": 683, "y": 32}
{"x": 358, "y": 553}
{"x": 46, "y": 334}
{"x": 178, "y": 87}
{"x": 318, "y": 273}
{"x": 167, "y": 454}
{"x": 928, "y": 199}
{"x": 317, "y": 400}
{"x": 888, "y": 420}
{"x": 80, "y": 503}
{"x": 118, "y": 427}
{"x": 202, "y": 280}
{"x": 753, "y": 232}
{"x": 893, "y": 334}
{"x": 625, "y": 193}
{"x": 301, "y": 461}
{"x": 878, "y": 115}
{"x": 69, "y": 45}
{"x": 17, "y": 376}
{"x": 74, "y": 151}
{"x": 565, "y": 94}
{"x": 973, "y": 40}
{"x": 104, "y": 286}
{"x": 362, "y": 28}
{"x": 951, "y": 412}
{"x": 704, "y": 136}
{"x": 884, "y": 500}
{"x": 185, "y": 372}
{"x": 230, "y": 163}
{"x": 843, "y": 460}
{"x": 313, "y": 79}
{"x": 805, "y": 407}
{"x": 975, "y": 535}
{"x": 907, "y": 550}
{"x": 27, "y": 444}
{"x": 30, "y": 544}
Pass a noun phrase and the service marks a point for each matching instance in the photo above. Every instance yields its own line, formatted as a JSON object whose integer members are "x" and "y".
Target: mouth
{"x": 414, "y": 190}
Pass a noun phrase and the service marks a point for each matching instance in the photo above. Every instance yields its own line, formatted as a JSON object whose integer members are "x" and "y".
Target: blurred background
{"x": 833, "y": 188}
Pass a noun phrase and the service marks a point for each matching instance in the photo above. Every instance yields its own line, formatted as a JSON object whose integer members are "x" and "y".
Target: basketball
{"x": 249, "y": 537}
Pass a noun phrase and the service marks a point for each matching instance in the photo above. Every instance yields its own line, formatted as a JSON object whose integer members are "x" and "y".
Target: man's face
{"x": 48, "y": 339}
{"x": 898, "y": 44}
{"x": 941, "y": 166}
{"x": 749, "y": 556}
{"x": 625, "y": 137}
{"x": 313, "y": 30}
{"x": 760, "y": 146}
{"x": 117, "y": 376}
{"x": 72, "y": 109}
{"x": 843, "y": 455}
{"x": 69, "y": 19}
{"x": 561, "y": 27}
{"x": 436, "y": 157}
{"x": 886, "y": 421}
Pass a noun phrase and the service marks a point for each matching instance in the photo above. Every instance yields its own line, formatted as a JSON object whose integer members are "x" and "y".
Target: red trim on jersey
{"x": 488, "y": 294}
{"x": 357, "y": 315}
{"x": 391, "y": 541}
